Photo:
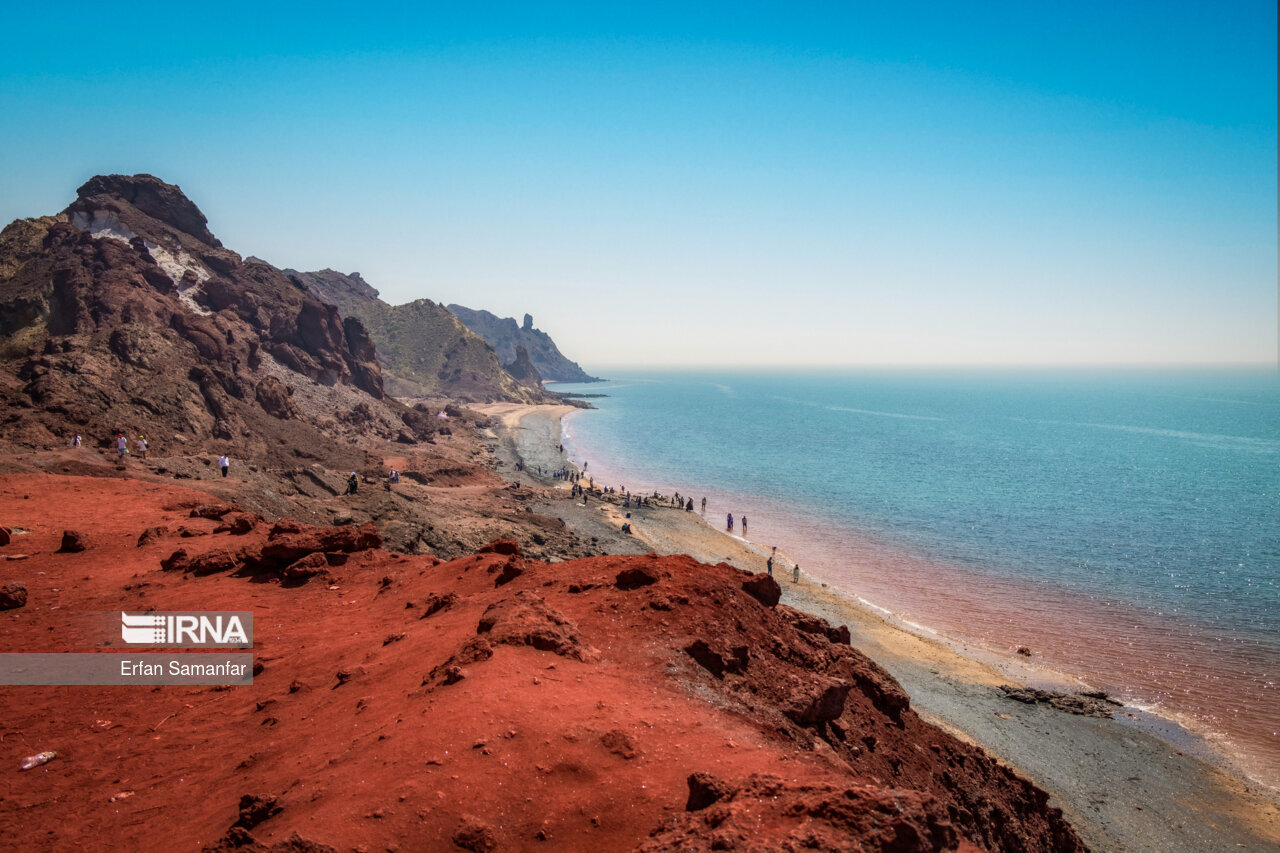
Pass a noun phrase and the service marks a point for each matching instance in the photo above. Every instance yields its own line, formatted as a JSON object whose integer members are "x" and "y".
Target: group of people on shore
{"x": 579, "y": 490}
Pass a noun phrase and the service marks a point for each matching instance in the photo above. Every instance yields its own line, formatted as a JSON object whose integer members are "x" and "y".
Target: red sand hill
{"x": 488, "y": 703}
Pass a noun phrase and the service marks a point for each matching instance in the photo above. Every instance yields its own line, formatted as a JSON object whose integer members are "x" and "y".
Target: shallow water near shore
{"x": 1123, "y": 526}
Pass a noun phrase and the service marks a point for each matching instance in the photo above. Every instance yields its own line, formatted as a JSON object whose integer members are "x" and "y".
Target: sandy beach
{"x": 1133, "y": 782}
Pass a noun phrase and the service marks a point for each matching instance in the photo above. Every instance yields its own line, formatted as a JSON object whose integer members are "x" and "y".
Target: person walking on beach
{"x": 224, "y": 463}
{"x": 744, "y": 525}
{"x": 795, "y": 574}
{"x": 704, "y": 506}
{"x": 728, "y": 522}
{"x": 689, "y": 506}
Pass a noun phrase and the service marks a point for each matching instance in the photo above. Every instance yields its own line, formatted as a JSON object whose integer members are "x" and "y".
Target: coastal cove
{"x": 1112, "y": 776}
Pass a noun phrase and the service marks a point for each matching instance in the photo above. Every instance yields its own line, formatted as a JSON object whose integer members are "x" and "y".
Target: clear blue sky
{"x": 743, "y": 183}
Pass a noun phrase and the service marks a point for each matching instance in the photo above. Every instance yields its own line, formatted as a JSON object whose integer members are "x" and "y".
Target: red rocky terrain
{"x": 491, "y": 702}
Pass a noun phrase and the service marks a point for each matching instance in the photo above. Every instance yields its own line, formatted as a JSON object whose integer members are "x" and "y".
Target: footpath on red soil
{"x": 492, "y": 702}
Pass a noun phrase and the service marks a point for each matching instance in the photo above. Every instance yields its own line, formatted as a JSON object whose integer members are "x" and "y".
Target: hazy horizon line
{"x": 738, "y": 366}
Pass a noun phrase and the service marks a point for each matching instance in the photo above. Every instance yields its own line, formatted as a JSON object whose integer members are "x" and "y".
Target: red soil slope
{"x": 488, "y": 703}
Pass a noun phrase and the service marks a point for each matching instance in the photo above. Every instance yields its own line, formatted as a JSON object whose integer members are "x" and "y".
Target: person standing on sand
{"x": 795, "y": 574}
{"x": 744, "y": 525}
{"x": 224, "y": 463}
{"x": 122, "y": 445}
{"x": 141, "y": 447}
{"x": 769, "y": 563}
{"x": 689, "y": 506}
{"x": 728, "y": 522}
{"x": 704, "y": 506}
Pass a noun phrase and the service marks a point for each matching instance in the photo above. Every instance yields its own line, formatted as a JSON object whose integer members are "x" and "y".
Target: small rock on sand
{"x": 13, "y": 596}
{"x": 73, "y": 541}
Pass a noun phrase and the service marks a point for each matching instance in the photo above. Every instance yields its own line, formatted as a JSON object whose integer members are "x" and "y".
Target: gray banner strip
{"x": 92, "y": 668}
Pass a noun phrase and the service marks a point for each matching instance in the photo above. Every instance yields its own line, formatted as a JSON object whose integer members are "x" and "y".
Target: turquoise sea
{"x": 1125, "y": 526}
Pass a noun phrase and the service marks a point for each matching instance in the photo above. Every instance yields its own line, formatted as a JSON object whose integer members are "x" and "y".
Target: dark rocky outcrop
{"x": 508, "y": 547}
{"x": 523, "y": 371}
{"x": 705, "y": 789}
{"x": 764, "y": 589}
{"x": 637, "y": 577}
{"x": 1096, "y": 704}
{"x": 73, "y": 542}
{"x": 293, "y": 552}
{"x": 255, "y": 808}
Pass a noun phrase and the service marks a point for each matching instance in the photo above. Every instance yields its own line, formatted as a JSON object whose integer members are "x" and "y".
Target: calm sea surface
{"x": 1124, "y": 526}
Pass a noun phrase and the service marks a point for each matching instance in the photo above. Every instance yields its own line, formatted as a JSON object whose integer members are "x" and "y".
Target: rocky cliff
{"x": 505, "y": 337}
{"x": 487, "y": 703}
{"x": 425, "y": 350}
{"x": 125, "y": 313}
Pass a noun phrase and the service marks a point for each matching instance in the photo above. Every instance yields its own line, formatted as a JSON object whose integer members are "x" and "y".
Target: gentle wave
{"x": 882, "y": 414}
{"x": 874, "y": 412}
{"x": 1222, "y": 442}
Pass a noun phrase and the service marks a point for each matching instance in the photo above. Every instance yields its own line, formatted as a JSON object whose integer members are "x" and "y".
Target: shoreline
{"x": 1133, "y": 782}
{"x": 1208, "y": 701}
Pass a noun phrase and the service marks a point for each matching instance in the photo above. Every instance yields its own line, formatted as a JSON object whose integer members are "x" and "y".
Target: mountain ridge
{"x": 506, "y": 337}
{"x": 123, "y": 311}
{"x": 423, "y": 347}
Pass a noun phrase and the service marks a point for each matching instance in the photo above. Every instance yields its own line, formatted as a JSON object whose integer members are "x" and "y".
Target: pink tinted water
{"x": 1226, "y": 692}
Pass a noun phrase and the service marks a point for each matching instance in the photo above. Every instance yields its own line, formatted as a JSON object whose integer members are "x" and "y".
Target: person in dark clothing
{"x": 353, "y": 483}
